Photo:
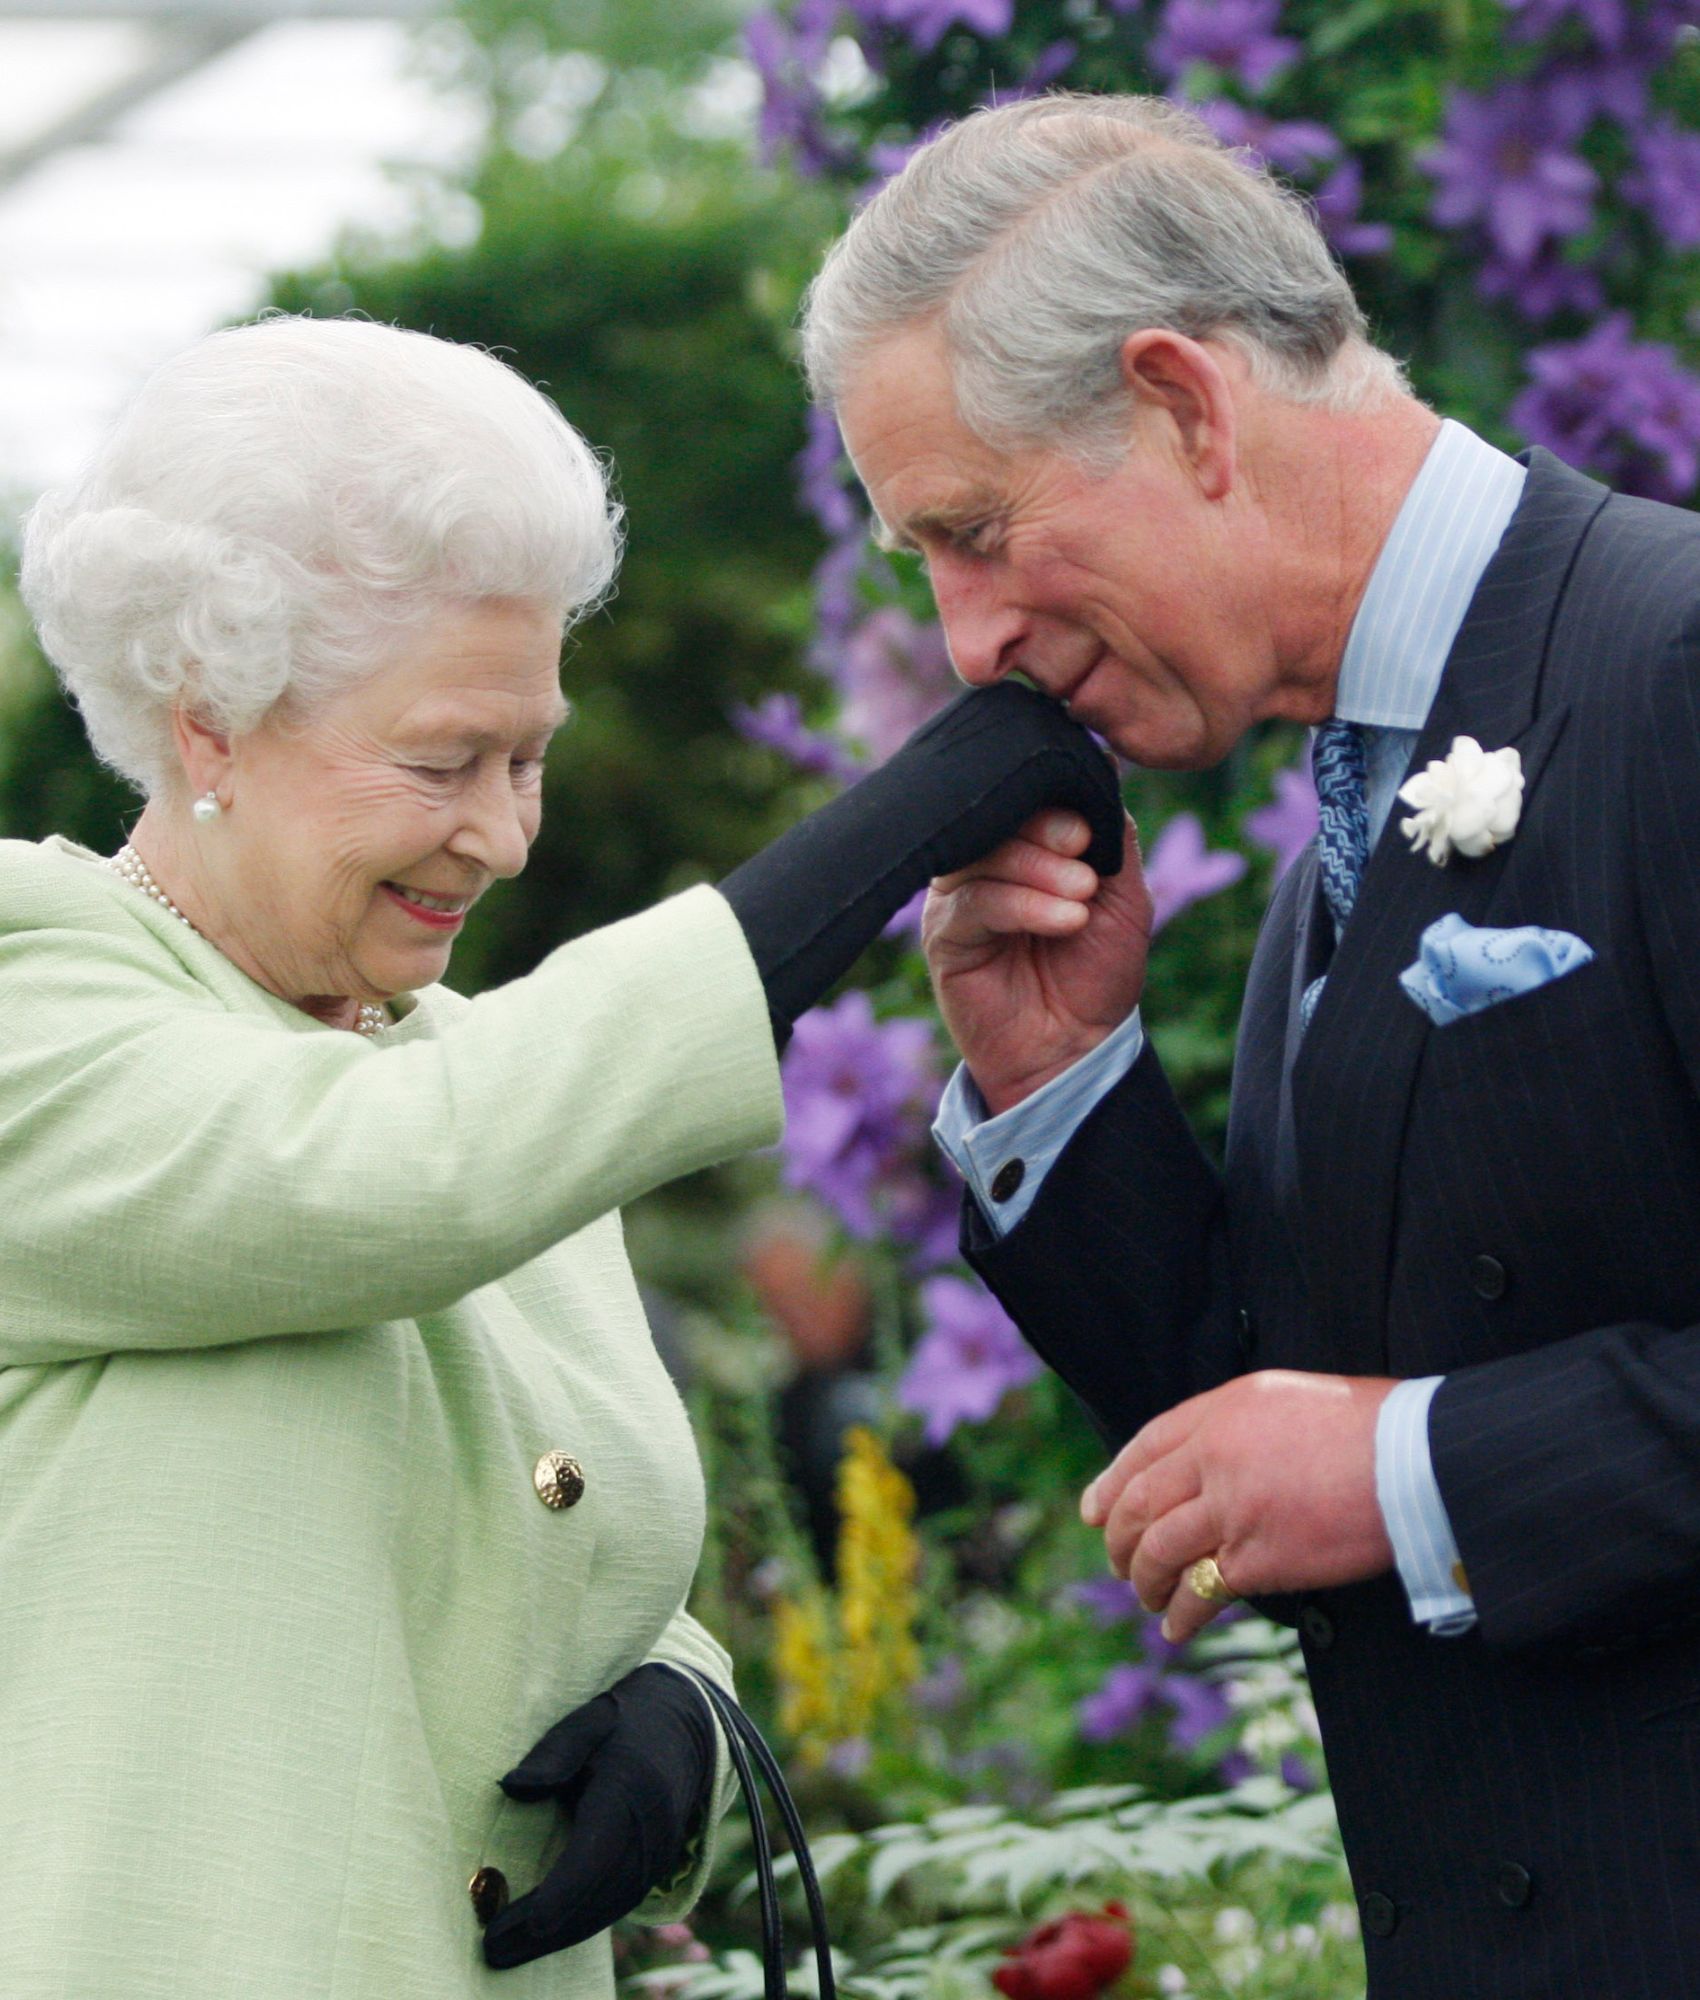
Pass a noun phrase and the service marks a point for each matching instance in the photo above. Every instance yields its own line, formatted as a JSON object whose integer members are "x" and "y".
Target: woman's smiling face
{"x": 353, "y": 843}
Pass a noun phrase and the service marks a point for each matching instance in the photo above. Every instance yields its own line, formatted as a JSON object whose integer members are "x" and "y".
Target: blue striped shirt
{"x": 1442, "y": 539}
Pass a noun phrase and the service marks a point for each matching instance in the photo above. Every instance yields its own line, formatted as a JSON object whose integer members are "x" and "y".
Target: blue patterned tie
{"x": 1337, "y": 758}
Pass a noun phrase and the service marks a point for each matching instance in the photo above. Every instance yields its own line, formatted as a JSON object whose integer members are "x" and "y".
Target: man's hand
{"x": 1272, "y": 1474}
{"x": 1035, "y": 958}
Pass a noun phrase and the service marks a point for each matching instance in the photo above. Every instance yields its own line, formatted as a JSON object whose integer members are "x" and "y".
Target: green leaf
{"x": 1340, "y": 30}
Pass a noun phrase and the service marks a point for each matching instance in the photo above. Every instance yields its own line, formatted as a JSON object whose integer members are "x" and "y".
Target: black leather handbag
{"x": 749, "y": 1754}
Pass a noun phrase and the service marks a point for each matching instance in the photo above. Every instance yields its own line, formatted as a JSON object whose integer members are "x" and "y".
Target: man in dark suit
{"x": 1423, "y": 1364}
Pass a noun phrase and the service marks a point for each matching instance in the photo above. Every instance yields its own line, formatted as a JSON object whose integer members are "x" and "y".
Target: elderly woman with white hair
{"x": 338, "y": 1473}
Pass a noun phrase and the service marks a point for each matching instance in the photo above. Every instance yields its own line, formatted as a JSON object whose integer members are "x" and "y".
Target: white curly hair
{"x": 285, "y": 502}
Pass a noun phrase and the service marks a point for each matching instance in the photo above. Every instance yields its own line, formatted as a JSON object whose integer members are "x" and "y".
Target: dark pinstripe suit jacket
{"x": 1512, "y": 1201}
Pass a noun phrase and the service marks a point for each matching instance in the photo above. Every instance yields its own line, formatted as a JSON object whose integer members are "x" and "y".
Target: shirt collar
{"x": 1443, "y": 538}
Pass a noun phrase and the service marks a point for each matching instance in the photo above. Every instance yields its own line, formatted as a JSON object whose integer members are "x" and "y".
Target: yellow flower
{"x": 878, "y": 1558}
{"x": 803, "y": 1661}
{"x": 844, "y": 1661}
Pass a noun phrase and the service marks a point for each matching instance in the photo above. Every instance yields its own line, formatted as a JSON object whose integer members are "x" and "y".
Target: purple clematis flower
{"x": 1048, "y": 65}
{"x": 1132, "y": 1691}
{"x": 1156, "y": 1647}
{"x": 784, "y": 54}
{"x": 1296, "y": 1773}
{"x": 820, "y": 476}
{"x": 1507, "y": 161}
{"x": 858, "y": 1095}
{"x": 777, "y": 723}
{"x": 1295, "y": 146}
{"x": 1549, "y": 285}
{"x": 1666, "y": 182}
{"x": 1287, "y": 825}
{"x": 1179, "y": 870}
{"x": 968, "y": 1360}
{"x": 1616, "y": 82}
{"x": 926, "y": 22}
{"x": 1300, "y": 148}
{"x": 1109, "y": 1600}
{"x": 890, "y": 157}
{"x": 1603, "y": 87}
{"x": 1199, "y": 1707}
{"x": 1127, "y": 1695}
{"x": 1625, "y": 409}
{"x": 1607, "y": 21}
{"x": 923, "y": 1216}
{"x": 895, "y": 673}
{"x": 1235, "y": 36}
{"x": 838, "y": 600}
{"x": 1338, "y": 200}
{"x": 907, "y": 922}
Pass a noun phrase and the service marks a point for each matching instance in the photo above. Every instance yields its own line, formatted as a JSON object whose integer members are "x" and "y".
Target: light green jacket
{"x": 287, "y": 1318}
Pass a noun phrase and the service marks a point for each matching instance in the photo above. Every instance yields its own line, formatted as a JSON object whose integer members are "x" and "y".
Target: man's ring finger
{"x": 1205, "y": 1577}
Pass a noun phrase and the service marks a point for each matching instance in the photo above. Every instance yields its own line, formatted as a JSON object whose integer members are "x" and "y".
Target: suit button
{"x": 1008, "y": 1179}
{"x": 1317, "y": 1627}
{"x": 1512, "y": 1885}
{"x": 559, "y": 1479}
{"x": 1245, "y": 1334}
{"x": 1487, "y": 1277}
{"x": 1379, "y": 1914}
{"x": 489, "y": 1892}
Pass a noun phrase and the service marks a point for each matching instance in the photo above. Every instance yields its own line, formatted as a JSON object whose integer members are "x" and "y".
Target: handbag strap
{"x": 772, "y": 1923}
{"x": 744, "y": 1742}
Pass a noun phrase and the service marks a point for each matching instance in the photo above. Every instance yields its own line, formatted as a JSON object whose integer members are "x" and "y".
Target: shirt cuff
{"x": 1005, "y": 1159}
{"x": 1415, "y": 1515}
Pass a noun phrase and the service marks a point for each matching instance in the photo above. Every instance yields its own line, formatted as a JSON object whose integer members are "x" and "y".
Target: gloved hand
{"x": 811, "y": 901}
{"x": 635, "y": 1767}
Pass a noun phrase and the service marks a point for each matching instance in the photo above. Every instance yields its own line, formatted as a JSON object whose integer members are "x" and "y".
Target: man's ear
{"x": 203, "y": 752}
{"x": 1184, "y": 381}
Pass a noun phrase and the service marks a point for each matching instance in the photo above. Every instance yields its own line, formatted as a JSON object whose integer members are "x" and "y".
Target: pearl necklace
{"x": 129, "y": 867}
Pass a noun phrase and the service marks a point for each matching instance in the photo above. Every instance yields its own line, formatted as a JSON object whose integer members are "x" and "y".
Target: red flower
{"x": 1074, "y": 1958}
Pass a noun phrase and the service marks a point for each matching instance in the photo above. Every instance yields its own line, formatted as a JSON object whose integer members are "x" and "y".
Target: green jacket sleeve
{"x": 183, "y": 1164}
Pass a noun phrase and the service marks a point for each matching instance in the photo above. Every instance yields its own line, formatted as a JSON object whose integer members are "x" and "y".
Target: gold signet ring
{"x": 1205, "y": 1578}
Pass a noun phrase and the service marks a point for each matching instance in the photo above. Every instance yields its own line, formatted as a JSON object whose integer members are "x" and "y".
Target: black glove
{"x": 635, "y": 1767}
{"x": 815, "y": 898}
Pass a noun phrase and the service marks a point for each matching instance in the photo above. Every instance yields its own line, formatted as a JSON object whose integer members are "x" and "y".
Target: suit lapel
{"x": 1353, "y": 1074}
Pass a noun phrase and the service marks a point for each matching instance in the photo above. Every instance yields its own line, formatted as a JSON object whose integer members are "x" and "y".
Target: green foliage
{"x": 1244, "y": 1890}
{"x": 49, "y": 782}
{"x": 624, "y": 36}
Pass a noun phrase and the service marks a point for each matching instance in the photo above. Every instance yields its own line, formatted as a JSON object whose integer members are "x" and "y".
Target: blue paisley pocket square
{"x": 1462, "y": 970}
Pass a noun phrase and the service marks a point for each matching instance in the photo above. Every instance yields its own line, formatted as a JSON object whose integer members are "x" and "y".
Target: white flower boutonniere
{"x": 1467, "y": 802}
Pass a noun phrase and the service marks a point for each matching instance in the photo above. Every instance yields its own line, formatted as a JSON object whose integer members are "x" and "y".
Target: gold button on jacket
{"x": 559, "y": 1480}
{"x": 489, "y": 1892}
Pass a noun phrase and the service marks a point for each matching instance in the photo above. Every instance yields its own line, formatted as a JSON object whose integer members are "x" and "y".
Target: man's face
{"x": 1138, "y": 597}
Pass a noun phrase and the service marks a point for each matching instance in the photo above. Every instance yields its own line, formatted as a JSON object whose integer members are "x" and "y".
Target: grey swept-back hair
{"x": 284, "y": 504}
{"x": 1037, "y": 236}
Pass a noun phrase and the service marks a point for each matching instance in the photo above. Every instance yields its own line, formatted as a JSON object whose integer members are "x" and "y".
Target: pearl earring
{"x": 207, "y": 808}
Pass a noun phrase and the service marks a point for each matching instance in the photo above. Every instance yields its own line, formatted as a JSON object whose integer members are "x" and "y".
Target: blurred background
{"x": 624, "y": 198}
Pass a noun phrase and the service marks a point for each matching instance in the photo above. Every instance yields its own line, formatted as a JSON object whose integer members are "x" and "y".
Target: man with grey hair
{"x": 1420, "y": 1368}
